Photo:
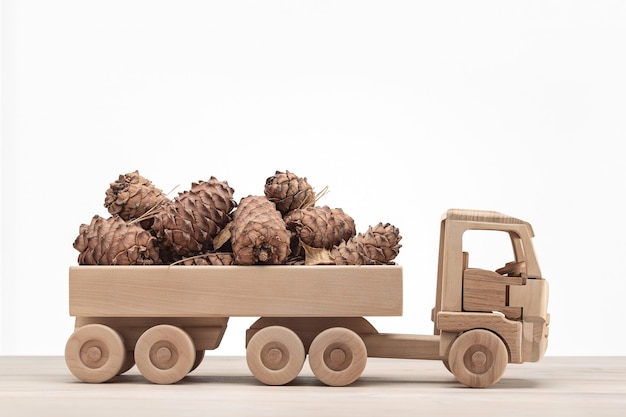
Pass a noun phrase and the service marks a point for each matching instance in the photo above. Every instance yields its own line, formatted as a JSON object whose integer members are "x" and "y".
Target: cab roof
{"x": 483, "y": 216}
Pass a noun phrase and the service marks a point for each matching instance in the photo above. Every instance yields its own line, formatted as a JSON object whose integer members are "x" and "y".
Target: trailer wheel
{"x": 337, "y": 356}
{"x": 478, "y": 358}
{"x": 275, "y": 355}
{"x": 95, "y": 353}
{"x": 164, "y": 354}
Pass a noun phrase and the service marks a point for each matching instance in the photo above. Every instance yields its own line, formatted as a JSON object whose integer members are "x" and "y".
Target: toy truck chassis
{"x": 163, "y": 318}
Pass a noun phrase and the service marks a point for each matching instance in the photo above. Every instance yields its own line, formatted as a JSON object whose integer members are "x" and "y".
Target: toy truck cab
{"x": 510, "y": 302}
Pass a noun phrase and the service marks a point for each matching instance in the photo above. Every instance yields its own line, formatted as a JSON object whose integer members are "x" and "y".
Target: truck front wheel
{"x": 165, "y": 354}
{"x": 478, "y": 358}
{"x": 337, "y": 356}
{"x": 275, "y": 355}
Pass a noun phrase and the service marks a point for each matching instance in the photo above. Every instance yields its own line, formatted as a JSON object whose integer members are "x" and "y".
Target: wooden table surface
{"x": 222, "y": 386}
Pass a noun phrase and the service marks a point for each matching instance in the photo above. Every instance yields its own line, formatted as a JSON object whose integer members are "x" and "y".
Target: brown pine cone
{"x": 289, "y": 192}
{"x": 320, "y": 227}
{"x": 258, "y": 233}
{"x": 379, "y": 245}
{"x": 349, "y": 252}
{"x": 112, "y": 241}
{"x": 188, "y": 224}
{"x": 131, "y": 196}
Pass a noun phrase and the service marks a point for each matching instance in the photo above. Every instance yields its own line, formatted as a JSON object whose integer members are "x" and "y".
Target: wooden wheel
{"x": 275, "y": 355}
{"x": 164, "y": 354}
{"x": 95, "y": 353}
{"x": 478, "y": 358}
{"x": 337, "y": 356}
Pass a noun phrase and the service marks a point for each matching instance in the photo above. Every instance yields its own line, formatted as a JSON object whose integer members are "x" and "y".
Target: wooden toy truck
{"x": 163, "y": 318}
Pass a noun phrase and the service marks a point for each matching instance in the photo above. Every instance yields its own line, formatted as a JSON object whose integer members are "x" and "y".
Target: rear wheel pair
{"x": 275, "y": 356}
{"x": 164, "y": 354}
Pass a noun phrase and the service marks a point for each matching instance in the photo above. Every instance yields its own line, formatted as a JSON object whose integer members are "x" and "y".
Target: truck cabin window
{"x": 488, "y": 249}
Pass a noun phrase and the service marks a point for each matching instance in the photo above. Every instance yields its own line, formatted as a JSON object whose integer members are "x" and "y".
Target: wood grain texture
{"x": 205, "y": 291}
{"x": 488, "y": 291}
{"x": 563, "y": 386}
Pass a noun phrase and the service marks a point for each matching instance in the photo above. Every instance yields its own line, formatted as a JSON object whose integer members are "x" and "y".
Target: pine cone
{"x": 187, "y": 225}
{"x": 349, "y": 252}
{"x": 258, "y": 233}
{"x": 289, "y": 192}
{"x": 379, "y": 245}
{"x": 131, "y": 196}
{"x": 112, "y": 241}
{"x": 382, "y": 243}
{"x": 320, "y": 227}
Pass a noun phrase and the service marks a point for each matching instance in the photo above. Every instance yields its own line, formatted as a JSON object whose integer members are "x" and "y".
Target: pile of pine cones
{"x": 206, "y": 226}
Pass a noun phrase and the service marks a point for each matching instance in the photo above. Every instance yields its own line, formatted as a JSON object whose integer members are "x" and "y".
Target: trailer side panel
{"x": 245, "y": 291}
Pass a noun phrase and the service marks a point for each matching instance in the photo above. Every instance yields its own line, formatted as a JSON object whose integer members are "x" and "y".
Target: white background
{"x": 403, "y": 109}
